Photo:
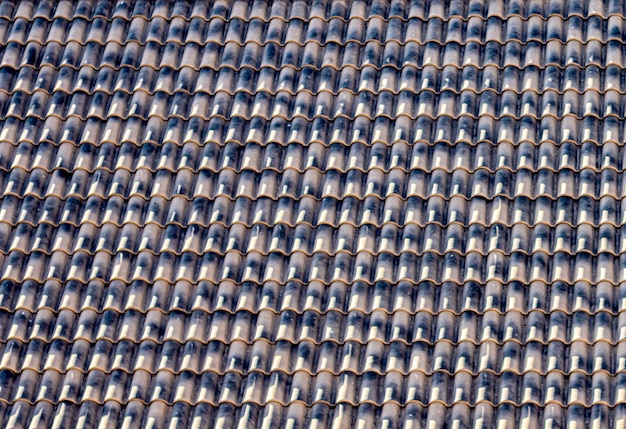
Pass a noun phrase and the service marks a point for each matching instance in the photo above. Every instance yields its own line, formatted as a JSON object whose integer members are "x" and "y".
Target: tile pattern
{"x": 312, "y": 214}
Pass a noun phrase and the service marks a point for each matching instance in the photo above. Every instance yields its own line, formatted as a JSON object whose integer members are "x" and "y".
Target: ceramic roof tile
{"x": 311, "y": 213}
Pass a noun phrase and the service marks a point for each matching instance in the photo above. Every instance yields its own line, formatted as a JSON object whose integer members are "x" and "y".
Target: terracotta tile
{"x": 311, "y": 213}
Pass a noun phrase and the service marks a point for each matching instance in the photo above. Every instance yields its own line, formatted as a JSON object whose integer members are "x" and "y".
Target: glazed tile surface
{"x": 312, "y": 214}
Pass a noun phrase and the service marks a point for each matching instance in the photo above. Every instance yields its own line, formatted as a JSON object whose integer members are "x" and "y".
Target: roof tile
{"x": 257, "y": 214}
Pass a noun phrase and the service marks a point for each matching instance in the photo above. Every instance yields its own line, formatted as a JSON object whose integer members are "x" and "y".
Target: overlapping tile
{"x": 308, "y": 214}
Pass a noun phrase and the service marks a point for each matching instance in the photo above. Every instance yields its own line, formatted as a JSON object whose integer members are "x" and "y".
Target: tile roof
{"x": 297, "y": 214}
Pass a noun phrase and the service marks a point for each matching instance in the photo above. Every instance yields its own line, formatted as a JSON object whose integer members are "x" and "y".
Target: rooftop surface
{"x": 312, "y": 214}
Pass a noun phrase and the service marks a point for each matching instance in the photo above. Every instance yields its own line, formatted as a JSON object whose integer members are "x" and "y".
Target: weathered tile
{"x": 255, "y": 213}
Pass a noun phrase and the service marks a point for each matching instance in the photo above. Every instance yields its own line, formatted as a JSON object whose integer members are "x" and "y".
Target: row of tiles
{"x": 288, "y": 326}
{"x": 457, "y": 189}
{"x": 215, "y": 29}
{"x": 272, "y": 158}
{"x": 327, "y": 132}
{"x": 158, "y": 415}
{"x": 293, "y": 55}
{"x": 315, "y": 298}
{"x": 344, "y": 267}
{"x": 341, "y": 130}
{"x": 282, "y": 239}
{"x": 305, "y": 10}
{"x": 409, "y": 81}
{"x": 488, "y": 358}
{"x": 260, "y": 158}
{"x": 116, "y": 212}
{"x": 326, "y": 388}
{"x": 346, "y": 105}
